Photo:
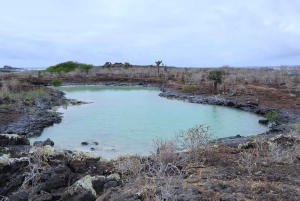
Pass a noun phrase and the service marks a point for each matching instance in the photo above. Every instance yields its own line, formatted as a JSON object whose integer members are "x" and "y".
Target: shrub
{"x": 190, "y": 87}
{"x": 56, "y": 82}
{"x": 272, "y": 115}
{"x": 195, "y": 140}
{"x": 68, "y": 67}
{"x": 127, "y": 65}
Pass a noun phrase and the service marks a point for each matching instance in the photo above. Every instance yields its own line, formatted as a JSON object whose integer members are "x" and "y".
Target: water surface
{"x": 126, "y": 119}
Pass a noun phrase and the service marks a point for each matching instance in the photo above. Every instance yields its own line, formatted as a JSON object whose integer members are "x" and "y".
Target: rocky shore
{"x": 32, "y": 123}
{"x": 40, "y": 172}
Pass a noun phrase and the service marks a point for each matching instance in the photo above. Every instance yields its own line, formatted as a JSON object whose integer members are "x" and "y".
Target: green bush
{"x": 68, "y": 67}
{"x": 190, "y": 87}
{"x": 127, "y": 65}
{"x": 56, "y": 82}
{"x": 272, "y": 115}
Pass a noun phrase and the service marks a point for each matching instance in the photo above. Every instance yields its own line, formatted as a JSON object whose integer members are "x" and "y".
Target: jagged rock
{"x": 49, "y": 142}
{"x": 98, "y": 183}
{"x": 38, "y": 143}
{"x": 41, "y": 197}
{"x": 57, "y": 193}
{"x": 54, "y": 183}
{"x": 13, "y": 139}
{"x": 44, "y": 143}
{"x": 80, "y": 190}
{"x": 20, "y": 196}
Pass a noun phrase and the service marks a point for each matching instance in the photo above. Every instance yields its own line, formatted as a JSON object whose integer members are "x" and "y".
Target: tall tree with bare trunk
{"x": 158, "y": 64}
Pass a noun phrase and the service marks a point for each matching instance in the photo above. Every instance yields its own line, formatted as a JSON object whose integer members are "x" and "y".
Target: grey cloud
{"x": 189, "y": 33}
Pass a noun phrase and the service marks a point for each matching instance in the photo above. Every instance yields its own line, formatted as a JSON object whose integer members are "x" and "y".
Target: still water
{"x": 126, "y": 119}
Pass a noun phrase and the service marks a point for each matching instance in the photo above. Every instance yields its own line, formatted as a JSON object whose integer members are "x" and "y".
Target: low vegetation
{"x": 68, "y": 67}
{"x": 16, "y": 96}
{"x": 272, "y": 115}
{"x": 56, "y": 82}
{"x": 190, "y": 87}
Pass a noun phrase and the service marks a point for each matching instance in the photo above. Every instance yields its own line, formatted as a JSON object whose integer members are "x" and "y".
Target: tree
{"x": 216, "y": 76}
{"x": 158, "y": 64}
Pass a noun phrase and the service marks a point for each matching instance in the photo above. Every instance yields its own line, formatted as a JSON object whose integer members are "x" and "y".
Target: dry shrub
{"x": 36, "y": 161}
{"x": 130, "y": 167}
{"x": 283, "y": 154}
{"x": 247, "y": 161}
{"x": 195, "y": 140}
{"x": 158, "y": 176}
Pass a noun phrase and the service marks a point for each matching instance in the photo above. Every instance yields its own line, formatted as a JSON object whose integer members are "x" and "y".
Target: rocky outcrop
{"x": 62, "y": 175}
{"x": 44, "y": 115}
{"x": 13, "y": 139}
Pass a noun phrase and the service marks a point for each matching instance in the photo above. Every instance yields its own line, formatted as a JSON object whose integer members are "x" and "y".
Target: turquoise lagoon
{"x": 124, "y": 119}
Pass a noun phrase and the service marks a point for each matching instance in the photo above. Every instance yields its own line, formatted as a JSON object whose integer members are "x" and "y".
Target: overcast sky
{"x": 185, "y": 33}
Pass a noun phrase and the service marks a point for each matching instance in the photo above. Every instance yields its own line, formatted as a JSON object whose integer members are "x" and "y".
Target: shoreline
{"x": 222, "y": 170}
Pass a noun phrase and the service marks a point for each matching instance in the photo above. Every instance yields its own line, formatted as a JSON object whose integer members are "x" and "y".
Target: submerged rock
{"x": 44, "y": 143}
{"x": 263, "y": 121}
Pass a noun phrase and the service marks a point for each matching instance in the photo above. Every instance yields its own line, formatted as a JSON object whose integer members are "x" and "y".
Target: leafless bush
{"x": 34, "y": 168}
{"x": 195, "y": 140}
{"x": 248, "y": 161}
{"x": 166, "y": 151}
{"x": 157, "y": 176}
{"x": 237, "y": 89}
{"x": 168, "y": 189}
{"x": 260, "y": 144}
{"x": 279, "y": 154}
{"x": 130, "y": 167}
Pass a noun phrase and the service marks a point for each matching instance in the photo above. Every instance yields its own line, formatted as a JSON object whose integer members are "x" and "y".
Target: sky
{"x": 183, "y": 33}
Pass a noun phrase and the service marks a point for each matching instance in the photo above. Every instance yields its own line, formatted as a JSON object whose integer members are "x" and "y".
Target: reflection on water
{"x": 126, "y": 119}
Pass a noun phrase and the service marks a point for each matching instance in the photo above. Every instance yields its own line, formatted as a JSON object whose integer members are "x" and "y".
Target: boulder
{"x": 80, "y": 190}
{"x": 44, "y": 143}
{"x": 263, "y": 121}
{"x": 48, "y": 142}
{"x": 20, "y": 196}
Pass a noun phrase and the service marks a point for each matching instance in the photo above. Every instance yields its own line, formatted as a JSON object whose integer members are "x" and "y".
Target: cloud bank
{"x": 188, "y": 33}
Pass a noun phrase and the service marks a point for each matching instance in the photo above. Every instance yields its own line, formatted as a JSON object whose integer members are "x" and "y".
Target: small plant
{"x": 56, "y": 82}
{"x": 272, "y": 115}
